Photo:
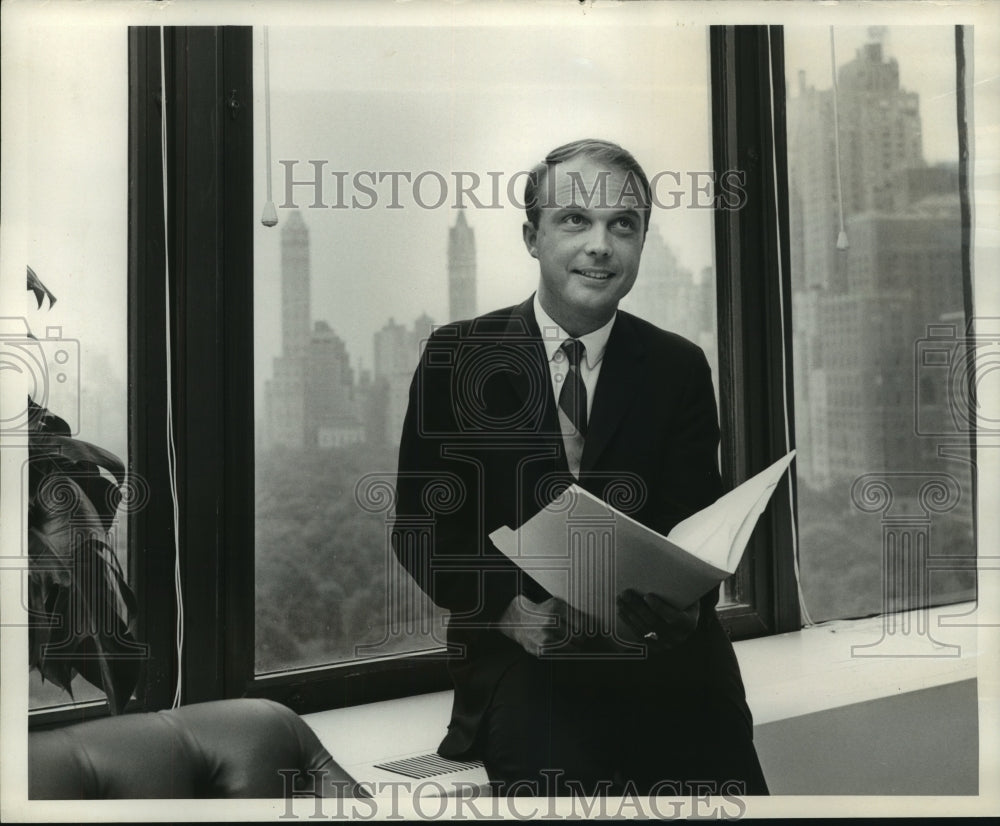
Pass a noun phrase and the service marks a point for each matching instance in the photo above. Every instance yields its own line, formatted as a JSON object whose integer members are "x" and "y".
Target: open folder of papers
{"x": 585, "y": 552}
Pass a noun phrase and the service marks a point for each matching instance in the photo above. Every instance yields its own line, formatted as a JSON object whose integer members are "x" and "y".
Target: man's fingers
{"x": 641, "y": 621}
{"x": 686, "y": 618}
{"x": 650, "y": 613}
{"x": 643, "y": 617}
{"x": 652, "y": 617}
{"x": 634, "y": 623}
{"x": 555, "y": 628}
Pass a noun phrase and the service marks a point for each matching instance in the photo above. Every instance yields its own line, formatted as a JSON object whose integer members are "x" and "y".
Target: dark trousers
{"x": 571, "y": 727}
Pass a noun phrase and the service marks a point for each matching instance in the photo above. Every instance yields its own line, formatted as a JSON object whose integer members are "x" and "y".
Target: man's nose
{"x": 598, "y": 240}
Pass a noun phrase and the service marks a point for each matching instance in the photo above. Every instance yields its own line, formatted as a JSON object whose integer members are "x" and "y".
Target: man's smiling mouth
{"x": 596, "y": 275}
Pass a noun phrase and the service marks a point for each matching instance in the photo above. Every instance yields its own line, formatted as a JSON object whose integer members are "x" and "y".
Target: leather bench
{"x": 250, "y": 748}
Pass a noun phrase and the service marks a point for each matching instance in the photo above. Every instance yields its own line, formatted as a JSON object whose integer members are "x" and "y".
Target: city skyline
{"x": 877, "y": 283}
{"x": 317, "y": 395}
{"x": 496, "y": 120}
{"x": 863, "y": 297}
{"x": 319, "y": 391}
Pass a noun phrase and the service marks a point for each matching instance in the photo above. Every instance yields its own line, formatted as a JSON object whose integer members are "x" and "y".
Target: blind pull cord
{"x": 269, "y": 218}
{"x": 842, "y": 236}
{"x": 803, "y": 611}
{"x": 171, "y": 448}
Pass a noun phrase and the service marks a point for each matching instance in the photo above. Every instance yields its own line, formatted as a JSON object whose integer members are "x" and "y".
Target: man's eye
{"x": 625, "y": 223}
{"x": 574, "y": 220}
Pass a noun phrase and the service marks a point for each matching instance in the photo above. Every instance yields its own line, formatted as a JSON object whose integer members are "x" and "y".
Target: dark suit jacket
{"x": 481, "y": 448}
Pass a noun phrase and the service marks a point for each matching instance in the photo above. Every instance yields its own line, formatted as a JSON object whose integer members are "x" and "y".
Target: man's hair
{"x": 605, "y": 152}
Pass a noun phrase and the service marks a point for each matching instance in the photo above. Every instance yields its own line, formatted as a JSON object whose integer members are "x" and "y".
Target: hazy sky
{"x": 66, "y": 94}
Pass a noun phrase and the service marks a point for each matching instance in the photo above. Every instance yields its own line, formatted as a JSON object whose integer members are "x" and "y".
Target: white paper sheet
{"x": 583, "y": 551}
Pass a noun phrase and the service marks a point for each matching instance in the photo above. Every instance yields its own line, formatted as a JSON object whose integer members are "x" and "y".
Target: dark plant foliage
{"x": 80, "y": 604}
{"x": 39, "y": 289}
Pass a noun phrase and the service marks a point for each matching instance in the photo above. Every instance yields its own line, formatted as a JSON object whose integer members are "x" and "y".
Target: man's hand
{"x": 653, "y": 621}
{"x": 540, "y": 625}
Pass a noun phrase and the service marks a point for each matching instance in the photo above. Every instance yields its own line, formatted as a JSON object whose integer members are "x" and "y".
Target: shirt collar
{"x": 553, "y": 336}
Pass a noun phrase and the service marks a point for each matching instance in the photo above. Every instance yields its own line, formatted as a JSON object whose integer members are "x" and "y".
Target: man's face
{"x": 588, "y": 242}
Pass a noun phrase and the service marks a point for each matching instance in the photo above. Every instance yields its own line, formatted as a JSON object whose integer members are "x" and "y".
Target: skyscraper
{"x": 295, "y": 297}
{"x": 397, "y": 351}
{"x": 332, "y": 416}
{"x": 862, "y": 313}
{"x": 880, "y": 135}
{"x": 859, "y": 311}
{"x": 310, "y": 401}
{"x": 461, "y": 270}
{"x": 284, "y": 393}
{"x": 667, "y": 294}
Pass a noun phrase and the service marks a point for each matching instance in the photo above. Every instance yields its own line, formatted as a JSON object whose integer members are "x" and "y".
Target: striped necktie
{"x": 573, "y": 396}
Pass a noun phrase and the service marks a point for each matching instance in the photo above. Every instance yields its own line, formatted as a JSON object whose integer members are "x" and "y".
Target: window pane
{"x": 885, "y": 491}
{"x": 75, "y": 213}
{"x": 395, "y": 121}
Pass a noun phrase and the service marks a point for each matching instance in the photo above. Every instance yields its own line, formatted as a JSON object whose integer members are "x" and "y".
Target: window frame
{"x": 212, "y": 247}
{"x": 754, "y": 315}
{"x": 210, "y": 243}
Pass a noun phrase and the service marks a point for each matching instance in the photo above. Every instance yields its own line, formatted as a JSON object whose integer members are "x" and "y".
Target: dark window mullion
{"x": 784, "y": 513}
{"x": 238, "y": 222}
{"x": 754, "y": 311}
{"x": 151, "y": 554}
{"x": 210, "y": 181}
{"x": 196, "y": 251}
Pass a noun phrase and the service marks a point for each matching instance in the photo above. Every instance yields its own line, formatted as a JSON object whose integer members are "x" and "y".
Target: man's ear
{"x": 530, "y": 234}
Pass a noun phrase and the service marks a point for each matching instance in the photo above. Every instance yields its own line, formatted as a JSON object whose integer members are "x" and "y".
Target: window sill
{"x": 842, "y": 662}
{"x": 822, "y": 667}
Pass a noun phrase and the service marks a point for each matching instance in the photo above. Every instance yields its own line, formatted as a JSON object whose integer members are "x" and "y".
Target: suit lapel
{"x": 520, "y": 335}
{"x": 531, "y": 381}
{"x": 622, "y": 373}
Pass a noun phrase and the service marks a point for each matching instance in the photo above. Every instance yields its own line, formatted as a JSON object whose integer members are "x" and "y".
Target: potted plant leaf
{"x": 81, "y": 608}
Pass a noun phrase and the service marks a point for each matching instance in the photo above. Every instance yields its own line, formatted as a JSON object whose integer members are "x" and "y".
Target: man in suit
{"x": 508, "y": 409}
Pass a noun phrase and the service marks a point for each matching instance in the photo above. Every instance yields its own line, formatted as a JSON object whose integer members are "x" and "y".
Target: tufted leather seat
{"x": 226, "y": 748}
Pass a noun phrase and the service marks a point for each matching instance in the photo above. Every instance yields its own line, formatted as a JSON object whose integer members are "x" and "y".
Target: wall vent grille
{"x": 426, "y": 765}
